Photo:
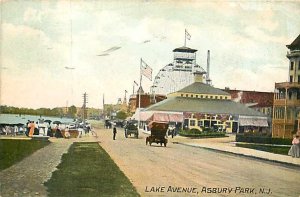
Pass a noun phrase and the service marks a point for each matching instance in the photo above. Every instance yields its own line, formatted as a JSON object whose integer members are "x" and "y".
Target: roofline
{"x": 246, "y": 91}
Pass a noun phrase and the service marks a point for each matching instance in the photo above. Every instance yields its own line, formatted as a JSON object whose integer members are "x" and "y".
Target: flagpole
{"x": 103, "y": 112}
{"x": 133, "y": 89}
{"x": 184, "y": 37}
{"x": 140, "y": 94}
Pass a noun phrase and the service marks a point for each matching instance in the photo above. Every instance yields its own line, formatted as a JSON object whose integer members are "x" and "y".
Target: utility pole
{"x": 84, "y": 116}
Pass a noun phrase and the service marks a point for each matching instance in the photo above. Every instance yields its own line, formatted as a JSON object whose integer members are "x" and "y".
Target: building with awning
{"x": 204, "y": 106}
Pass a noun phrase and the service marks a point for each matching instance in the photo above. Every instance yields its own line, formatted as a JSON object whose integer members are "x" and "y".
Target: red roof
{"x": 258, "y": 99}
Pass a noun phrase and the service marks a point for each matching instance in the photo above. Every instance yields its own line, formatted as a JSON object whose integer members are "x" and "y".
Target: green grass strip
{"x": 271, "y": 149}
{"x": 87, "y": 170}
{"x": 14, "y": 150}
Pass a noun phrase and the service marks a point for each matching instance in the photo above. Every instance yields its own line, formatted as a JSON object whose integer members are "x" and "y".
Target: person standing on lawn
{"x": 295, "y": 148}
{"x": 114, "y": 132}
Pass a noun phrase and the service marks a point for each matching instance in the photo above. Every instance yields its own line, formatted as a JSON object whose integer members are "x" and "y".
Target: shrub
{"x": 194, "y": 131}
{"x": 197, "y": 133}
{"x": 262, "y": 139}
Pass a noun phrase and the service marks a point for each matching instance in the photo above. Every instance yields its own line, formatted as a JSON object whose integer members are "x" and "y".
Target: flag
{"x": 135, "y": 83}
{"x": 187, "y": 35}
{"x": 146, "y": 70}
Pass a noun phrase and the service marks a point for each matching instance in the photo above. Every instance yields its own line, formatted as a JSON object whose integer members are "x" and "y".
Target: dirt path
{"x": 165, "y": 171}
{"x": 26, "y": 177}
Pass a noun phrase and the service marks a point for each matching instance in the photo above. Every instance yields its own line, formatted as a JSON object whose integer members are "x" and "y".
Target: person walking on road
{"x": 114, "y": 132}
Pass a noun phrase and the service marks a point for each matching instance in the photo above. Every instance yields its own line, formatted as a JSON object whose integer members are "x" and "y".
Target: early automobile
{"x": 158, "y": 133}
{"x": 131, "y": 129}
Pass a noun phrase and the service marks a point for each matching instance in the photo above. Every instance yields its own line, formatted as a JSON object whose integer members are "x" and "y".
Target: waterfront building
{"x": 286, "y": 107}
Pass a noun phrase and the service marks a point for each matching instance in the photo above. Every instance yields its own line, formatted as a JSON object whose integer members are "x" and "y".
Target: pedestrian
{"x": 31, "y": 130}
{"x": 295, "y": 148}
{"x": 16, "y": 130}
{"x": 114, "y": 132}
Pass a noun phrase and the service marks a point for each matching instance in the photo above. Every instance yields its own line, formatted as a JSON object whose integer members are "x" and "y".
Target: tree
{"x": 121, "y": 115}
{"x": 72, "y": 110}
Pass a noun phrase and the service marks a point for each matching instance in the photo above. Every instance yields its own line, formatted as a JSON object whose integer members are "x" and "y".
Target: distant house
{"x": 146, "y": 100}
{"x": 260, "y": 101}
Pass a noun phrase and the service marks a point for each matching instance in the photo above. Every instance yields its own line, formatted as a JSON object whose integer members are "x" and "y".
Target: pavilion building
{"x": 204, "y": 106}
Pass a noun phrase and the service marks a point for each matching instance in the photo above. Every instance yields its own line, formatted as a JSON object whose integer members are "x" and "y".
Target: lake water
{"x": 15, "y": 119}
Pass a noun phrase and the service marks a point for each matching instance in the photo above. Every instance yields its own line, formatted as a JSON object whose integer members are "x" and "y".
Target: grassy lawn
{"x": 14, "y": 150}
{"x": 87, "y": 170}
{"x": 271, "y": 149}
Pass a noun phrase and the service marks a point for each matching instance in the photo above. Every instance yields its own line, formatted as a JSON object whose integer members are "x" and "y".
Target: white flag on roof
{"x": 146, "y": 70}
{"x": 187, "y": 35}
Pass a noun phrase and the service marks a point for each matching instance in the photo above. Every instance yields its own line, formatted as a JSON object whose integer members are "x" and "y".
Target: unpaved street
{"x": 179, "y": 170}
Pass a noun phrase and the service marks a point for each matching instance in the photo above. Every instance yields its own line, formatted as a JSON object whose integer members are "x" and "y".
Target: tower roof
{"x": 295, "y": 44}
{"x": 185, "y": 49}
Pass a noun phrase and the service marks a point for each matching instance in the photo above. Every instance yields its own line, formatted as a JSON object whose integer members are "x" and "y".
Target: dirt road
{"x": 178, "y": 170}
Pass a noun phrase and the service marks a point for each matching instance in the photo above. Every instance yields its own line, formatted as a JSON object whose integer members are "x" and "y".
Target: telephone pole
{"x": 84, "y": 115}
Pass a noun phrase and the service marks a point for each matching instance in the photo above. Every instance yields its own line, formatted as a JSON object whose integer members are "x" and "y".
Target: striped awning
{"x": 253, "y": 121}
{"x": 165, "y": 117}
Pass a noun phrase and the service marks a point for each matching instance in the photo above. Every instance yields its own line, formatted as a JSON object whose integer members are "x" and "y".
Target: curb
{"x": 242, "y": 155}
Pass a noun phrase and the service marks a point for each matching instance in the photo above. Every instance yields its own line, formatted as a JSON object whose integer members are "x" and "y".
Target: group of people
{"x": 11, "y": 130}
{"x": 295, "y": 148}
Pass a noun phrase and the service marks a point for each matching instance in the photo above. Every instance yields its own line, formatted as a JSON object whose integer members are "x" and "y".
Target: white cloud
{"x": 244, "y": 43}
{"x": 32, "y": 15}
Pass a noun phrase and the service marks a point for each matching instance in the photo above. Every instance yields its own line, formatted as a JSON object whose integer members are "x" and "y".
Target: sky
{"x": 54, "y": 51}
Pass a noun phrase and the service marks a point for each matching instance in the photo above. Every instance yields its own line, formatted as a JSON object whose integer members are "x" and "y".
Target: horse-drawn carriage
{"x": 158, "y": 133}
{"x": 131, "y": 128}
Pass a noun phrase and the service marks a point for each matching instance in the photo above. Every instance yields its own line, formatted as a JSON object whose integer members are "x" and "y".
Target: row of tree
{"x": 58, "y": 111}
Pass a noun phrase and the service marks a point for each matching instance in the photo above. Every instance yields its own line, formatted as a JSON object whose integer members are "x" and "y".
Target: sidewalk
{"x": 26, "y": 178}
{"x": 227, "y": 145}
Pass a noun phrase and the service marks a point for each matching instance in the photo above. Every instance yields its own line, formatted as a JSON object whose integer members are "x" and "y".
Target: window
{"x": 192, "y": 95}
{"x": 221, "y": 97}
{"x": 192, "y": 122}
{"x": 291, "y": 78}
{"x": 211, "y": 97}
{"x": 196, "y": 96}
{"x": 181, "y": 95}
{"x": 225, "y": 97}
{"x": 216, "y": 97}
{"x": 200, "y": 123}
{"x": 292, "y": 65}
{"x": 186, "y": 95}
{"x": 206, "y": 96}
{"x": 201, "y": 96}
